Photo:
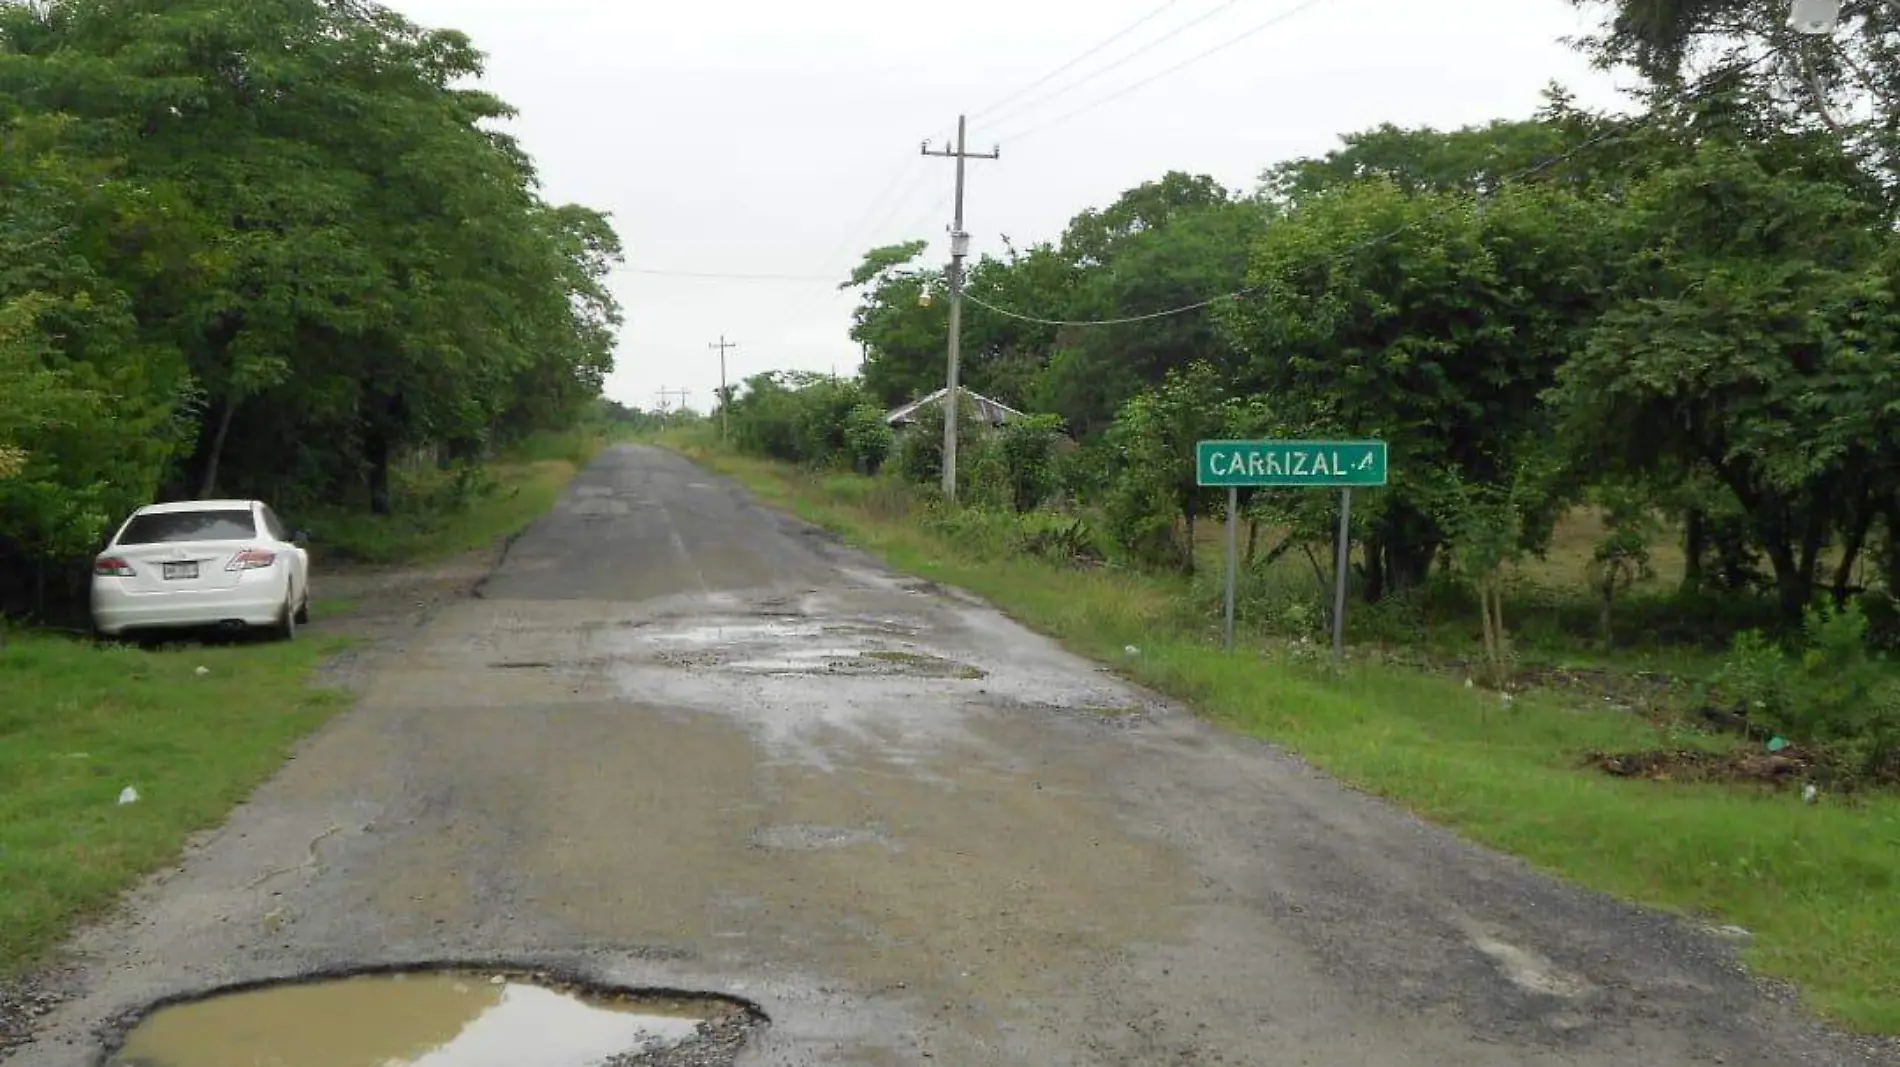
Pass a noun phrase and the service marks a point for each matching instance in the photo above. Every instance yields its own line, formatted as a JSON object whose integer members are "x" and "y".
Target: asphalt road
{"x": 682, "y": 742}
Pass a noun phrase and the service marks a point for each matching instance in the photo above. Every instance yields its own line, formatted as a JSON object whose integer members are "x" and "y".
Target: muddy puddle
{"x": 420, "y": 1020}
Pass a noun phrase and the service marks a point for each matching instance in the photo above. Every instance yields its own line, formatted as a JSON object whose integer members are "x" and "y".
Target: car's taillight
{"x": 111, "y": 567}
{"x": 251, "y": 559}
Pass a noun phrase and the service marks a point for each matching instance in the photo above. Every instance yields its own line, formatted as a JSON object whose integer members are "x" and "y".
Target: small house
{"x": 991, "y": 414}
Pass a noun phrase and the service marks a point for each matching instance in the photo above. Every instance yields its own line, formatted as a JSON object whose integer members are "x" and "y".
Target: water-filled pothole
{"x": 434, "y": 1019}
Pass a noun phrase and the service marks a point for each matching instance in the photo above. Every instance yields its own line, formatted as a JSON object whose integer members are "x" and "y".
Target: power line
{"x": 722, "y": 276}
{"x": 1152, "y": 78}
{"x": 857, "y": 232}
{"x": 1508, "y": 180}
{"x": 883, "y": 224}
{"x": 1143, "y": 50}
{"x": 1104, "y": 43}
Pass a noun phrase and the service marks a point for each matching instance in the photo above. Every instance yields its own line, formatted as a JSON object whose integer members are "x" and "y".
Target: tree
{"x": 1194, "y": 255}
{"x": 1155, "y": 499}
{"x": 903, "y": 328}
{"x": 266, "y": 248}
{"x": 1847, "y": 84}
{"x": 1428, "y": 321}
{"x": 1752, "y": 335}
{"x": 1474, "y": 159}
{"x": 1094, "y": 238}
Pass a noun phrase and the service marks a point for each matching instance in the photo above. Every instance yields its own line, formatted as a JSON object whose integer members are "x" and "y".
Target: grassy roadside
{"x": 436, "y": 519}
{"x": 80, "y": 722}
{"x": 1815, "y": 884}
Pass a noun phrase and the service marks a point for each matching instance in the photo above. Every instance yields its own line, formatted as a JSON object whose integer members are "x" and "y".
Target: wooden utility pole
{"x": 725, "y": 399}
{"x": 959, "y": 248}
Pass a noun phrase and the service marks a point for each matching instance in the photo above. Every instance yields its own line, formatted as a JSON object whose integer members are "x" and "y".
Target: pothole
{"x": 805, "y": 838}
{"x": 879, "y": 662}
{"x": 437, "y": 1019}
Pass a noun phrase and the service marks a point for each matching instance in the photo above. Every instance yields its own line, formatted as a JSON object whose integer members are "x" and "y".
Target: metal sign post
{"x": 1233, "y": 561}
{"x": 1344, "y": 551}
{"x": 1342, "y": 465}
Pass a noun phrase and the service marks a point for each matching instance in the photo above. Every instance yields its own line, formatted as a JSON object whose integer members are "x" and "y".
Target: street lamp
{"x": 1816, "y": 18}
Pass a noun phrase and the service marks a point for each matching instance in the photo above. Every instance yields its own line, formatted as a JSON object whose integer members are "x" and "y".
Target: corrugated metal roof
{"x": 991, "y": 412}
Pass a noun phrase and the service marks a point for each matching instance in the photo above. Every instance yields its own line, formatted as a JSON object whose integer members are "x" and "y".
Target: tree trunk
{"x": 1410, "y": 541}
{"x": 1375, "y": 569}
{"x": 1253, "y": 540}
{"x": 214, "y": 456}
{"x": 1793, "y": 586}
{"x": 1319, "y": 573}
{"x": 1606, "y": 618}
{"x": 1498, "y": 633}
{"x": 1187, "y": 558}
{"x": 1490, "y": 635}
{"x": 1695, "y": 544}
{"x": 376, "y": 452}
{"x": 1860, "y": 521}
{"x": 1890, "y": 562}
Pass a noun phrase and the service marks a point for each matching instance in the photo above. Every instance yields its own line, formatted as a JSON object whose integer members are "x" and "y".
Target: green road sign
{"x": 1307, "y": 464}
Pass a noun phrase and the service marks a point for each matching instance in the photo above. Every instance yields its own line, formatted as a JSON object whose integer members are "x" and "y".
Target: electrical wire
{"x": 857, "y": 232}
{"x": 1143, "y": 50}
{"x": 721, "y": 276}
{"x": 1152, "y": 78}
{"x": 850, "y": 235}
{"x": 1360, "y": 246}
{"x": 1104, "y": 43}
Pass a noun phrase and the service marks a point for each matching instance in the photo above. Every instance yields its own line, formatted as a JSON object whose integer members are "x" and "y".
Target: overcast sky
{"x": 756, "y": 137}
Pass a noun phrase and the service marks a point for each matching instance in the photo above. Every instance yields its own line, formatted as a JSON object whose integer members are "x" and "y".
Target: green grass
{"x": 1816, "y": 884}
{"x": 430, "y": 523}
{"x": 81, "y": 721}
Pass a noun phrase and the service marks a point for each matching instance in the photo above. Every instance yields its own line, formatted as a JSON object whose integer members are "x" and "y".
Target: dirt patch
{"x": 1785, "y": 769}
{"x": 1627, "y": 688}
{"x": 23, "y": 1003}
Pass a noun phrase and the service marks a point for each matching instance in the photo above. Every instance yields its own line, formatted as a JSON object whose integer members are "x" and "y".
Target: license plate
{"x": 176, "y": 571}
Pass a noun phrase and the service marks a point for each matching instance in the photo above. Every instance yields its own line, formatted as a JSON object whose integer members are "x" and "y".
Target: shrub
{"x": 1833, "y": 692}
{"x": 1028, "y": 451}
{"x": 868, "y": 439}
{"x": 920, "y": 449}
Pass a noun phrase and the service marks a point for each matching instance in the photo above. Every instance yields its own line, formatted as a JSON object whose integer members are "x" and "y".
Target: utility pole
{"x": 959, "y": 248}
{"x": 725, "y": 399}
{"x": 666, "y": 396}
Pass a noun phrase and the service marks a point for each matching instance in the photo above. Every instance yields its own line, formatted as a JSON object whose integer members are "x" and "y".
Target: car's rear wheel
{"x": 286, "y": 627}
{"x": 303, "y": 610}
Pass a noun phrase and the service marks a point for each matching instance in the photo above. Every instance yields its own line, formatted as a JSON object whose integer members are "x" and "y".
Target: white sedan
{"x": 225, "y": 563}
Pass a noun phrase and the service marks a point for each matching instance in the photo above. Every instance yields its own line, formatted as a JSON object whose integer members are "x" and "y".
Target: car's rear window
{"x": 224, "y": 524}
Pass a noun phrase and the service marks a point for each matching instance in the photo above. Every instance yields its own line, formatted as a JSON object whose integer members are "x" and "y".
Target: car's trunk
{"x": 181, "y": 566}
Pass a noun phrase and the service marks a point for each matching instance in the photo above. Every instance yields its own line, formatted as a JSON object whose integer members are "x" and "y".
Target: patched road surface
{"x": 681, "y": 742}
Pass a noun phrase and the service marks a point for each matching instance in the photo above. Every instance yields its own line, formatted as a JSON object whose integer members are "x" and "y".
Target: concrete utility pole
{"x": 725, "y": 399}
{"x": 959, "y": 248}
{"x": 666, "y": 396}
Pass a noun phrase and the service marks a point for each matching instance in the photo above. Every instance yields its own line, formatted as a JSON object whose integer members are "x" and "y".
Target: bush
{"x": 1833, "y": 693}
{"x": 868, "y": 439}
{"x": 920, "y": 451}
{"x": 808, "y": 419}
{"x": 1028, "y": 451}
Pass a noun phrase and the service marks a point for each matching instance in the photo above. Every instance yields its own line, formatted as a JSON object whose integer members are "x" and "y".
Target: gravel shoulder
{"x": 677, "y": 741}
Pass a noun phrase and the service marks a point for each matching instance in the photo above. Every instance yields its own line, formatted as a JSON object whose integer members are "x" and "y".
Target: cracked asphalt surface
{"x": 681, "y": 742}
